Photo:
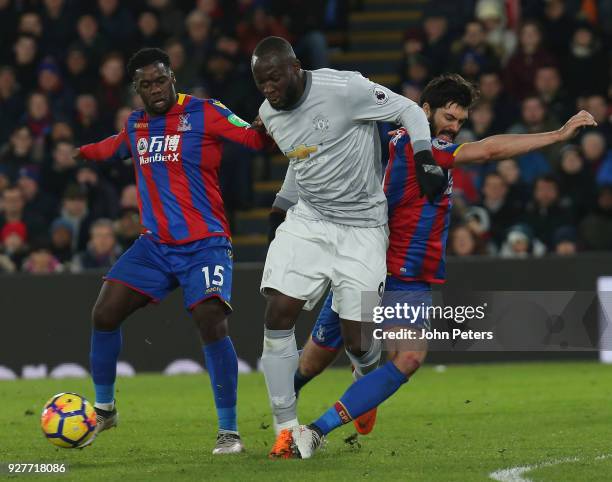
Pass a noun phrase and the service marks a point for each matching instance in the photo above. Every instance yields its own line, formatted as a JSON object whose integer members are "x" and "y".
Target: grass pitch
{"x": 458, "y": 424}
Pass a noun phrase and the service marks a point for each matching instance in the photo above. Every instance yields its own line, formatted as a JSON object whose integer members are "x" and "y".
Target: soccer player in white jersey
{"x": 324, "y": 121}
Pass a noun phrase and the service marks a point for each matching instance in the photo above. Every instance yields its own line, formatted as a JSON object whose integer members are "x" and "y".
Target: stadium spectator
{"x": 38, "y": 118}
{"x": 129, "y": 197}
{"x": 518, "y": 191}
{"x": 149, "y": 31}
{"x": 415, "y": 71}
{"x": 519, "y": 73}
{"x": 186, "y": 72}
{"x": 535, "y": 118}
{"x": 60, "y": 170}
{"x": 586, "y": 55}
{"x": 114, "y": 17}
{"x": 549, "y": 87}
{"x": 258, "y": 25}
{"x": 58, "y": 26}
{"x": 594, "y": 149}
{"x": 521, "y": 243}
{"x": 596, "y": 228}
{"x": 503, "y": 40}
{"x": 89, "y": 126}
{"x": 504, "y": 108}
{"x": 101, "y": 195}
{"x": 112, "y": 92}
{"x": 75, "y": 212}
{"x": 437, "y": 41}
{"x": 480, "y": 122}
{"x": 41, "y": 261}
{"x": 26, "y": 61}
{"x": 472, "y": 54}
{"x": 50, "y": 83}
{"x": 199, "y": 42}
{"x": 463, "y": 242}
{"x": 13, "y": 212}
{"x": 304, "y": 20}
{"x": 18, "y": 152}
{"x": 30, "y": 23}
{"x": 558, "y": 25}
{"x": 102, "y": 250}
{"x": 226, "y": 81}
{"x": 546, "y": 213}
{"x": 598, "y": 106}
{"x": 61, "y": 130}
{"x": 6, "y": 265}
{"x": 495, "y": 200}
{"x": 565, "y": 241}
{"x": 79, "y": 73}
{"x": 576, "y": 181}
{"x": 13, "y": 237}
{"x": 171, "y": 19}
{"x": 90, "y": 40}
{"x": 61, "y": 241}
{"x": 11, "y": 102}
{"x": 37, "y": 202}
{"x": 478, "y": 220}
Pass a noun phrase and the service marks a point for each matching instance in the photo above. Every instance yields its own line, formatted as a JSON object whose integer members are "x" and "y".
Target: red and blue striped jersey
{"x": 418, "y": 229}
{"x": 176, "y": 160}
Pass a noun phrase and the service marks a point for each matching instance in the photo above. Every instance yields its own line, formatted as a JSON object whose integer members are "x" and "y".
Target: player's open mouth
{"x": 159, "y": 103}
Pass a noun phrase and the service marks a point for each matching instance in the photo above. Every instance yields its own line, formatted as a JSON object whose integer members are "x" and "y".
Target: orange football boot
{"x": 282, "y": 446}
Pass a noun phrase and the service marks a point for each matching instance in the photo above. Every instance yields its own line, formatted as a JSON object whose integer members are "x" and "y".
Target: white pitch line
{"x": 515, "y": 474}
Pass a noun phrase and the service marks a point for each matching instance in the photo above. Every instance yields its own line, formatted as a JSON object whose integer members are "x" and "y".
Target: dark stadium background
{"x": 63, "y": 83}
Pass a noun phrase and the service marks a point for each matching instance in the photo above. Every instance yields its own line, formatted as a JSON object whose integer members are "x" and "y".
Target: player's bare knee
{"x": 104, "y": 317}
{"x": 408, "y": 362}
{"x": 281, "y": 312}
{"x": 210, "y": 317}
{"x": 311, "y": 367}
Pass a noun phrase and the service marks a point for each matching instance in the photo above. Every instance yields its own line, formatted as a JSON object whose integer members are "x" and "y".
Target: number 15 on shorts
{"x": 217, "y": 276}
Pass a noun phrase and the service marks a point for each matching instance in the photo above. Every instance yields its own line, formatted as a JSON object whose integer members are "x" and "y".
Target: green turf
{"x": 459, "y": 424}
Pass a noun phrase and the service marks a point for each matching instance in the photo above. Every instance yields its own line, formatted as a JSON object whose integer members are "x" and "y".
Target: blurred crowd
{"x": 63, "y": 84}
{"x": 536, "y": 63}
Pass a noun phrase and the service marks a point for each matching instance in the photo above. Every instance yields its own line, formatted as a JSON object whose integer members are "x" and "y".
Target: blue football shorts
{"x": 202, "y": 268}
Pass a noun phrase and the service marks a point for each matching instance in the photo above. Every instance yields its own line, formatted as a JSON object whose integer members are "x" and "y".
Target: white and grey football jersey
{"x": 331, "y": 139}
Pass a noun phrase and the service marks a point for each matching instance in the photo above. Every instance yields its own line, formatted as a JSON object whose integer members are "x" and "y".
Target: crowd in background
{"x": 535, "y": 64}
{"x": 63, "y": 84}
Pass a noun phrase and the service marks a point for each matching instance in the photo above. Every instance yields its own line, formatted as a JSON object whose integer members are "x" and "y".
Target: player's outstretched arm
{"x": 112, "y": 148}
{"x": 224, "y": 123}
{"x": 504, "y": 146}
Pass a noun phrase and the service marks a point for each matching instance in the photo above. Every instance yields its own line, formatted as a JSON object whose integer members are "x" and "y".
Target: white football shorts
{"x": 307, "y": 255}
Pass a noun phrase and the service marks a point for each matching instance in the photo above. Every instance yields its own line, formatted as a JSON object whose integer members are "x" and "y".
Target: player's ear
{"x": 427, "y": 109}
{"x": 172, "y": 77}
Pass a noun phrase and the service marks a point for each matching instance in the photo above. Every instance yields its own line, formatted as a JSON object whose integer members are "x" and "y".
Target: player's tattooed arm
{"x": 504, "y": 146}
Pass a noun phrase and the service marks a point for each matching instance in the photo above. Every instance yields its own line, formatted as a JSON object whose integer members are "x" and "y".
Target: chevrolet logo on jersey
{"x": 301, "y": 152}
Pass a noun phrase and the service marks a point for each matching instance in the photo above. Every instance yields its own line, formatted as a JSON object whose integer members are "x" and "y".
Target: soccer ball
{"x": 68, "y": 420}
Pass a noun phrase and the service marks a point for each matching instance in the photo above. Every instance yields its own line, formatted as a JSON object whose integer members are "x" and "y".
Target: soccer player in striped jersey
{"x": 416, "y": 253}
{"x": 176, "y": 145}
